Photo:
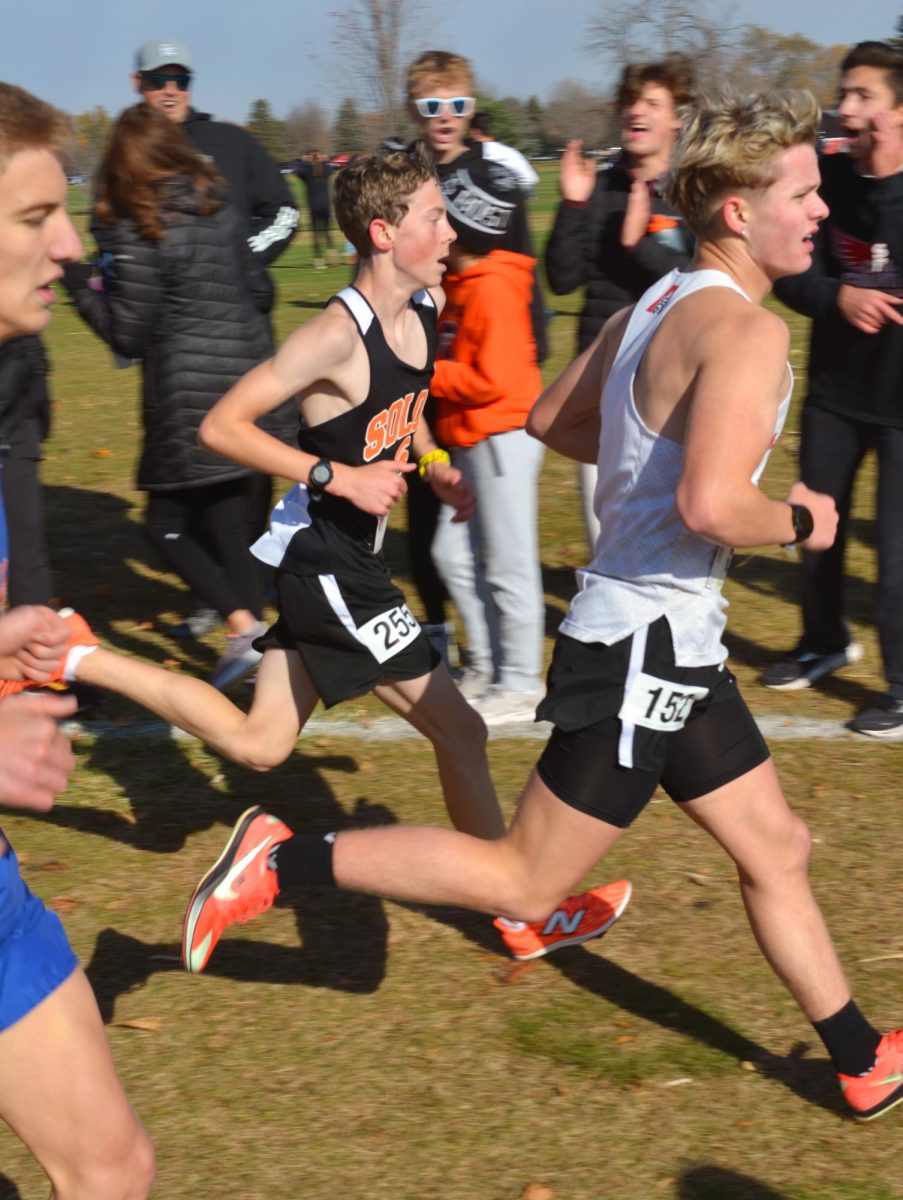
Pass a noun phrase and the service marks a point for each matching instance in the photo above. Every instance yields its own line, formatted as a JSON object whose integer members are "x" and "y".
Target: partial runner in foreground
{"x": 694, "y": 385}
{"x": 59, "y": 1091}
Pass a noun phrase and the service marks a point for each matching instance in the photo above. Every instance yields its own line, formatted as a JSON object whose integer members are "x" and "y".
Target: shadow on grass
{"x": 813, "y": 1081}
{"x": 8, "y": 1190}
{"x": 170, "y": 799}
{"x": 343, "y": 935}
{"x": 717, "y": 1183}
{"x": 344, "y": 939}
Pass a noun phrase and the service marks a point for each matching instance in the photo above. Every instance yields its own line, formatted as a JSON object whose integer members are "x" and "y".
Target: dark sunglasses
{"x": 457, "y": 106}
{"x": 157, "y": 83}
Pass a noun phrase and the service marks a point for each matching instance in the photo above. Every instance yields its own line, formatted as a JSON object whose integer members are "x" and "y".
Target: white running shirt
{"x": 647, "y": 563}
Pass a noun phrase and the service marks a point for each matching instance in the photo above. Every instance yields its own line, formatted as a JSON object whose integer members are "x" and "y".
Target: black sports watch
{"x": 320, "y": 477}
{"x": 802, "y": 523}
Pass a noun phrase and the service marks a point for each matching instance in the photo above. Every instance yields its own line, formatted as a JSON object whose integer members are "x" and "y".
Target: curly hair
{"x": 145, "y": 150}
{"x": 732, "y": 142}
{"x": 379, "y": 186}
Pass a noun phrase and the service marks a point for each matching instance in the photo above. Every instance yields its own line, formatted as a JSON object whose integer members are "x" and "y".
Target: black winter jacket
{"x": 859, "y": 375}
{"x": 585, "y": 248}
{"x": 189, "y": 306}
{"x": 24, "y": 396}
{"x": 257, "y": 189}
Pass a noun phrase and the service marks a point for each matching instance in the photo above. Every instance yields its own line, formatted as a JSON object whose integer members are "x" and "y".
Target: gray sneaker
{"x": 240, "y": 658}
{"x": 196, "y": 624}
{"x": 502, "y": 706}
{"x": 473, "y": 684}
{"x": 805, "y": 667}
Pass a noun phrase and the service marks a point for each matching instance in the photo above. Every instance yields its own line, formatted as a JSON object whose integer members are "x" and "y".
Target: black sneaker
{"x": 804, "y": 667}
{"x": 885, "y": 720}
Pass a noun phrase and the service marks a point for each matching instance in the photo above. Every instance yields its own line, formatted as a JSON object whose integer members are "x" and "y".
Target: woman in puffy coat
{"x": 184, "y": 294}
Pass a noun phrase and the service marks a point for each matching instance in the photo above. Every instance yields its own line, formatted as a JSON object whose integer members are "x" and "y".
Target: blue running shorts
{"x": 35, "y": 955}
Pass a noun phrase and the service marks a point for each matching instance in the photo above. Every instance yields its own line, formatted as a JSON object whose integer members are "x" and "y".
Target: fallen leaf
{"x": 101, "y": 452}
{"x": 746, "y": 1065}
{"x": 538, "y": 1191}
{"x": 701, "y": 880}
{"x": 677, "y": 1082}
{"x": 50, "y": 865}
{"x": 625, "y": 1037}
{"x": 146, "y": 1024}
{"x": 172, "y": 664}
{"x": 63, "y": 903}
{"x": 509, "y": 972}
{"x": 665, "y": 1183}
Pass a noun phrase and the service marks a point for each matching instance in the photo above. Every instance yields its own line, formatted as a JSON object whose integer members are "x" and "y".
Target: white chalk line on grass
{"x": 384, "y": 729}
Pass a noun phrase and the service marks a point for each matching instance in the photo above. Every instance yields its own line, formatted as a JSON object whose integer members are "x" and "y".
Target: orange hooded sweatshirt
{"x": 486, "y": 378}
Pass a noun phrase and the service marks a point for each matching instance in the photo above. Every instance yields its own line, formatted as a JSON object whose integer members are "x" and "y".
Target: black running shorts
{"x": 627, "y": 719}
{"x": 351, "y": 633}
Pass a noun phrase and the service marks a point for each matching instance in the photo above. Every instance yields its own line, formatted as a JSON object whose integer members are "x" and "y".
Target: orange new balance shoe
{"x": 879, "y": 1089}
{"x": 578, "y": 919}
{"x": 238, "y": 886}
{"x": 81, "y": 641}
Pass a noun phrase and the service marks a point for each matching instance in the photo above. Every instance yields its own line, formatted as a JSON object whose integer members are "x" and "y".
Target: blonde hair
{"x": 731, "y": 143}
{"x": 440, "y": 65}
{"x": 27, "y": 123}
{"x": 379, "y": 186}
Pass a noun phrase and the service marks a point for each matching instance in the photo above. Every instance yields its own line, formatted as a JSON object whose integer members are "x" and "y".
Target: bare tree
{"x": 376, "y": 40}
{"x": 625, "y": 31}
{"x": 574, "y": 111}
{"x": 306, "y": 129}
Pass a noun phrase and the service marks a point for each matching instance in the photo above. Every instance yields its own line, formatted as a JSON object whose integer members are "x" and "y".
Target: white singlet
{"x": 647, "y": 563}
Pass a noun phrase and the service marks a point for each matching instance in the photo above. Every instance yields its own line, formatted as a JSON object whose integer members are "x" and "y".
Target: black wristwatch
{"x": 319, "y": 478}
{"x": 802, "y": 523}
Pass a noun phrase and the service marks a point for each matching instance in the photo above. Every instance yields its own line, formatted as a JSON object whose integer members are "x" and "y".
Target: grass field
{"x": 345, "y": 1048}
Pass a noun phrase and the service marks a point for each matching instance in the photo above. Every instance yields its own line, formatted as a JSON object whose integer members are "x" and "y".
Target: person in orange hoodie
{"x": 485, "y": 383}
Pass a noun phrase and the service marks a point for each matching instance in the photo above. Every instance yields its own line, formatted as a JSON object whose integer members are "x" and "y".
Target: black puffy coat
{"x": 192, "y": 307}
{"x": 584, "y": 248}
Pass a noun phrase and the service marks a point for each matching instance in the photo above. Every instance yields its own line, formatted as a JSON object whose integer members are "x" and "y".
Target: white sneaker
{"x": 502, "y": 706}
{"x": 474, "y": 685}
{"x": 239, "y": 659}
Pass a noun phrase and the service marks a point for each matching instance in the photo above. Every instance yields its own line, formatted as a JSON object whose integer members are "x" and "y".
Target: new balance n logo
{"x": 561, "y": 922}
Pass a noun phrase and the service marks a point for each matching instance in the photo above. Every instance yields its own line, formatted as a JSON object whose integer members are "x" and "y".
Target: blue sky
{"x": 78, "y": 53}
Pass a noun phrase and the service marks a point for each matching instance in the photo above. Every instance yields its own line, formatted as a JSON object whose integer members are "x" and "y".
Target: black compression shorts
{"x": 688, "y": 729}
{"x": 350, "y": 631}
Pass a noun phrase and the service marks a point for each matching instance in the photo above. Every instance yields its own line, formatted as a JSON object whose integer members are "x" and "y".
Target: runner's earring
{"x": 743, "y": 232}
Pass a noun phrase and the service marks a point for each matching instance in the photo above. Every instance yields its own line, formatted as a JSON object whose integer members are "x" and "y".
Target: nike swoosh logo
{"x": 223, "y": 890}
{"x": 887, "y": 1080}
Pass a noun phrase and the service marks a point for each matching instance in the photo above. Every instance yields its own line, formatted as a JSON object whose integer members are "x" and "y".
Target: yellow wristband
{"x": 431, "y": 457}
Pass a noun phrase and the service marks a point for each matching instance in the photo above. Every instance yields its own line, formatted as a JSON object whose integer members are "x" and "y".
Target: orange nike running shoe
{"x": 238, "y": 886}
{"x": 878, "y": 1090}
{"x": 578, "y": 919}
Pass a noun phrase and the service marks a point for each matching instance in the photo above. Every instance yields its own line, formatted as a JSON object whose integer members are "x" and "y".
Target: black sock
{"x": 303, "y": 859}
{"x": 850, "y": 1040}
